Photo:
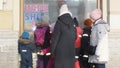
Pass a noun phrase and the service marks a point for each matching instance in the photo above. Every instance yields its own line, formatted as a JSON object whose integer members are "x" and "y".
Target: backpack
{"x": 78, "y": 38}
{"x": 40, "y": 35}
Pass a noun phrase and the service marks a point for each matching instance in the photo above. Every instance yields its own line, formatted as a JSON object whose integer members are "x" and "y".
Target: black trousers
{"x": 84, "y": 63}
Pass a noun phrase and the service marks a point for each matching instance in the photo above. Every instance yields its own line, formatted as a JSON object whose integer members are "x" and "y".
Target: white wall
{"x": 115, "y": 21}
{"x": 16, "y": 15}
{"x": 114, "y": 14}
{"x": 9, "y": 32}
{"x": 114, "y": 35}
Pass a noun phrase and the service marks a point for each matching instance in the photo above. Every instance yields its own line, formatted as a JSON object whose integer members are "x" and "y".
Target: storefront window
{"x": 48, "y": 11}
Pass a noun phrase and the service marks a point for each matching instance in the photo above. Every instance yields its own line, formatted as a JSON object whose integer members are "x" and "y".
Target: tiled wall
{"x": 114, "y": 49}
{"x": 8, "y": 49}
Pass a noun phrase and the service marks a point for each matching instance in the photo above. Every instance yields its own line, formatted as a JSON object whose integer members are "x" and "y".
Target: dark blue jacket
{"x": 25, "y": 45}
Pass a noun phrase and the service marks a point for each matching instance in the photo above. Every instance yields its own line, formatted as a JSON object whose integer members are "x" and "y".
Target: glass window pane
{"x": 48, "y": 11}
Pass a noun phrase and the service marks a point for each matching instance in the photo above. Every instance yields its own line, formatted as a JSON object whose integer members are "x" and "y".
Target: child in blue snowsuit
{"x": 25, "y": 48}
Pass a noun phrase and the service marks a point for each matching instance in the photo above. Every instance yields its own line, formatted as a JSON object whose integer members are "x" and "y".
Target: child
{"x": 42, "y": 42}
{"x": 25, "y": 48}
{"x": 85, "y": 42}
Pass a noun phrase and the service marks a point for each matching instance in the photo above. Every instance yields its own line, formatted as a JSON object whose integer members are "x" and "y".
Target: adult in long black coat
{"x": 63, "y": 40}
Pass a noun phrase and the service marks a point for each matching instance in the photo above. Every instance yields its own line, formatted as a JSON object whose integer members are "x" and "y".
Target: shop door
{"x": 33, "y": 11}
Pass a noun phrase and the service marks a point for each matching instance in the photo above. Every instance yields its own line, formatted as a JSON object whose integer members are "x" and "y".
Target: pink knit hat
{"x": 96, "y": 14}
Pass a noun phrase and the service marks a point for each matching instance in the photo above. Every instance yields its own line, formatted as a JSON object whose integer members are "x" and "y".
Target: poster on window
{"x": 34, "y": 13}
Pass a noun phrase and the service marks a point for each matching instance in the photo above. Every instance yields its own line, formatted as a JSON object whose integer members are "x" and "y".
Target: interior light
{"x": 34, "y": 28}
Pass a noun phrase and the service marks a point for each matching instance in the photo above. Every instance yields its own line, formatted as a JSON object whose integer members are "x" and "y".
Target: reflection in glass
{"x": 48, "y": 10}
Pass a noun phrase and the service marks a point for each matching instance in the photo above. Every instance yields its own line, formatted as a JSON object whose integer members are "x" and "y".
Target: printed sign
{"x": 34, "y": 13}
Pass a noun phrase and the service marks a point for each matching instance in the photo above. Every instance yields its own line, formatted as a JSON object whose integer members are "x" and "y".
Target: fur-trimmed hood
{"x": 24, "y": 41}
{"x": 25, "y": 38}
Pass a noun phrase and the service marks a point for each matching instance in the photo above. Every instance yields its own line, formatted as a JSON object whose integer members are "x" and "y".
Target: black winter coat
{"x": 63, "y": 42}
{"x": 85, "y": 40}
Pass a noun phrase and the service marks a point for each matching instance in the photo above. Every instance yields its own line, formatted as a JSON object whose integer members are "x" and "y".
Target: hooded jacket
{"x": 99, "y": 38}
{"x": 43, "y": 26}
{"x": 63, "y": 40}
{"x": 25, "y": 44}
